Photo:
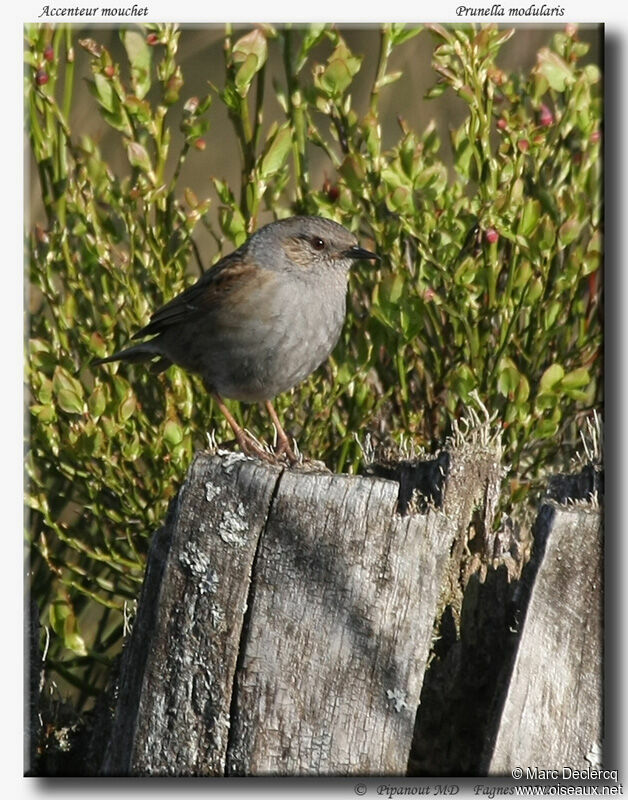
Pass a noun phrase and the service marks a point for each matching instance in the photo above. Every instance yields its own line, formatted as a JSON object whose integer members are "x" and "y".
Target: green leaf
{"x": 103, "y": 91}
{"x": 546, "y": 429}
{"x": 516, "y": 192}
{"x": 530, "y": 216}
{"x": 341, "y": 68}
{"x": 463, "y": 154}
{"x": 278, "y": 149}
{"x": 252, "y": 43}
{"x": 127, "y": 406}
{"x": 138, "y": 156}
{"x": 139, "y": 54}
{"x": 551, "y": 378}
{"x": 392, "y": 288}
{"x": 551, "y": 313}
{"x": 592, "y": 258}
{"x": 568, "y": 231}
{"x": 575, "y": 379}
{"x": 132, "y": 448}
{"x": 380, "y": 313}
{"x": 44, "y": 413}
{"x": 68, "y": 391}
{"x": 523, "y": 389}
{"x": 65, "y": 625}
{"x": 464, "y": 381}
{"x": 140, "y": 109}
{"x": 391, "y": 77}
{"x": 433, "y": 178}
{"x": 556, "y": 71}
{"x": 592, "y": 73}
{"x": 467, "y": 271}
{"x": 400, "y": 33}
{"x": 352, "y": 170}
{"x": 401, "y": 200}
{"x": 440, "y": 32}
{"x": 250, "y": 52}
{"x": 233, "y": 224}
{"x": 98, "y": 399}
{"x": 436, "y": 91}
{"x": 508, "y": 380}
{"x": 337, "y": 76}
{"x": 245, "y": 74}
{"x": 224, "y": 192}
{"x": 534, "y": 292}
{"x": 173, "y": 433}
{"x": 547, "y": 234}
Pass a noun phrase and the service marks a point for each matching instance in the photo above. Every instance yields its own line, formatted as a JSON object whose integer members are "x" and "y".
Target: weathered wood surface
{"x": 456, "y": 715}
{"x": 345, "y": 593}
{"x": 518, "y": 680}
{"x": 552, "y": 715}
{"x": 290, "y": 618}
{"x": 177, "y": 672}
{"x": 287, "y": 618}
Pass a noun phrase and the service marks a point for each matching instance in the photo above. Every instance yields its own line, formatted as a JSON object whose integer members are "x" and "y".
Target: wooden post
{"x": 516, "y": 680}
{"x": 284, "y": 627}
{"x": 287, "y": 618}
{"x": 552, "y": 714}
{"x": 178, "y": 669}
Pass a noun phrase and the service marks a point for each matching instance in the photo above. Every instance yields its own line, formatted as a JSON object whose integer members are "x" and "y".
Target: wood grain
{"x": 552, "y": 715}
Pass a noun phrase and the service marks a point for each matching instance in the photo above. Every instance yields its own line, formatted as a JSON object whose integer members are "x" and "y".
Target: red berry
{"x": 491, "y": 235}
{"x": 152, "y": 39}
{"x": 110, "y": 70}
{"x": 49, "y": 53}
{"x": 200, "y": 144}
{"x": 546, "y": 117}
{"x": 332, "y": 191}
{"x": 523, "y": 145}
{"x": 502, "y": 124}
{"x": 41, "y": 77}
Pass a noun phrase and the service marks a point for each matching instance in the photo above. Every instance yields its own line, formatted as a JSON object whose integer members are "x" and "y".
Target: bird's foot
{"x": 279, "y": 456}
{"x": 284, "y": 448}
{"x": 251, "y": 446}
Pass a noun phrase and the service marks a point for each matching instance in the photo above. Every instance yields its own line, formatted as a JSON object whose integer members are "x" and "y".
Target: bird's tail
{"x": 138, "y": 352}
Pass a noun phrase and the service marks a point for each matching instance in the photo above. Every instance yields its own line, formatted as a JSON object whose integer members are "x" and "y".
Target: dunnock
{"x": 261, "y": 319}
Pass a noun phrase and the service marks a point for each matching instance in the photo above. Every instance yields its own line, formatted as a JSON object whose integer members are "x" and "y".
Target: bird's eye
{"x": 318, "y": 243}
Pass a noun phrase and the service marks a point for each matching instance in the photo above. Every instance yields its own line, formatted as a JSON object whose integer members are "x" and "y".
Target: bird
{"x": 260, "y": 320}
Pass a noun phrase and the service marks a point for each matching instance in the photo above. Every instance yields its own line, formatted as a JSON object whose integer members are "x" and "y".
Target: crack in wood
{"x": 231, "y": 755}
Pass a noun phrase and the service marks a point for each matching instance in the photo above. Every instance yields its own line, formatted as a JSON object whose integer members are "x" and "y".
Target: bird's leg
{"x": 282, "y": 437}
{"x": 247, "y": 444}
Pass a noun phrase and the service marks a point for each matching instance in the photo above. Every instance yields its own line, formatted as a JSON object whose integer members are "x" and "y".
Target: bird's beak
{"x": 359, "y": 252}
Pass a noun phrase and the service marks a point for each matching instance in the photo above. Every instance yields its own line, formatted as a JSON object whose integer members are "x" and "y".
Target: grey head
{"x": 305, "y": 244}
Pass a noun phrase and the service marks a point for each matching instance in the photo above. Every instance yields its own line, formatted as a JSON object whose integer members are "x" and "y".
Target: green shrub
{"x": 489, "y": 281}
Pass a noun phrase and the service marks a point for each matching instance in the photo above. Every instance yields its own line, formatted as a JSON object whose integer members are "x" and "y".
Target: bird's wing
{"x": 202, "y": 296}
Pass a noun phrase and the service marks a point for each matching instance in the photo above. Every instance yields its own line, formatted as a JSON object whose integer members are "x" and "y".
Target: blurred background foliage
{"x": 469, "y": 158}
